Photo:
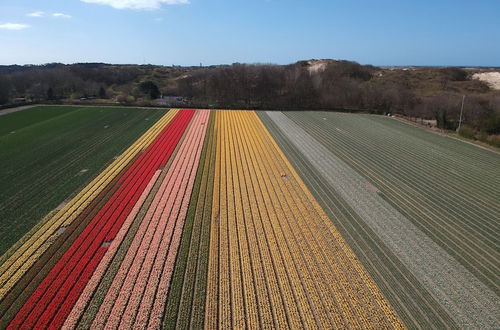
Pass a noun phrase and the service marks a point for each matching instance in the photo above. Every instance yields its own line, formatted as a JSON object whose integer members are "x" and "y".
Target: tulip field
{"x": 226, "y": 219}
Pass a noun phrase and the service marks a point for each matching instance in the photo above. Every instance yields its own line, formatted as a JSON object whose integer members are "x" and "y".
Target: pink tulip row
{"x": 138, "y": 293}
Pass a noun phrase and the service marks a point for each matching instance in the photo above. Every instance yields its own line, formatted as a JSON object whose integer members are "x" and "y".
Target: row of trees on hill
{"x": 345, "y": 86}
{"x": 428, "y": 93}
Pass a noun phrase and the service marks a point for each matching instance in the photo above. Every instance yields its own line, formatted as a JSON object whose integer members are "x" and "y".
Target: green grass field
{"x": 47, "y": 153}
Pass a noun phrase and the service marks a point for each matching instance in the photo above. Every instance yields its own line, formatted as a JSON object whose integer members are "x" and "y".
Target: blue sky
{"x": 189, "y": 32}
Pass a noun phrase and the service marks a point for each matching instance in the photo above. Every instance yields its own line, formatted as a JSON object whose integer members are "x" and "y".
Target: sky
{"x": 190, "y": 32}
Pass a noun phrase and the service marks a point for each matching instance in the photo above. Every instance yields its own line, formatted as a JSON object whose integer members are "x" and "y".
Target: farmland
{"x": 62, "y": 148}
{"x": 243, "y": 219}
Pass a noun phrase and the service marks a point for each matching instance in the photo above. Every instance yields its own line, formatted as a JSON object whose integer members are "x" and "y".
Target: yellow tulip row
{"x": 26, "y": 255}
{"x": 276, "y": 260}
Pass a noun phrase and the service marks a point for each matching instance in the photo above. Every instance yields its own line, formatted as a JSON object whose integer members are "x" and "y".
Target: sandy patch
{"x": 491, "y": 78}
{"x": 315, "y": 67}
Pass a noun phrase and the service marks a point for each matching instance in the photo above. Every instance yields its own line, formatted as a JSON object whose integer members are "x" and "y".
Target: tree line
{"x": 425, "y": 93}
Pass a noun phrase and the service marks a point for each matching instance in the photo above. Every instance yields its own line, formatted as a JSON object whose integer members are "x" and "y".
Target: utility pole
{"x": 461, "y": 112}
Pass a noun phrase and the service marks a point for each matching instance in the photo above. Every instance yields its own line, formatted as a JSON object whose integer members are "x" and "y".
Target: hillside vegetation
{"x": 433, "y": 93}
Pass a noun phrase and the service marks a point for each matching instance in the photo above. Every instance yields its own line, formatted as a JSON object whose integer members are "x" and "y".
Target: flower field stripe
{"x": 263, "y": 250}
{"x": 212, "y": 294}
{"x": 263, "y": 308}
{"x": 185, "y": 302}
{"x": 86, "y": 295}
{"x": 139, "y": 261}
{"x": 468, "y": 301}
{"x": 50, "y": 290}
{"x": 291, "y": 260}
{"x": 117, "y": 296}
{"x": 370, "y": 307}
{"x": 224, "y": 299}
{"x": 21, "y": 260}
{"x": 266, "y": 272}
{"x": 225, "y": 305}
{"x": 237, "y": 301}
{"x": 165, "y": 239}
{"x": 157, "y": 306}
{"x": 292, "y": 288}
{"x": 318, "y": 298}
{"x": 332, "y": 285}
{"x": 250, "y": 307}
{"x": 413, "y": 304}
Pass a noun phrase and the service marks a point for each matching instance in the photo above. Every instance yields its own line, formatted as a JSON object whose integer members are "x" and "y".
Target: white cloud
{"x": 61, "y": 15}
{"x": 14, "y": 26}
{"x": 36, "y": 14}
{"x": 137, "y": 4}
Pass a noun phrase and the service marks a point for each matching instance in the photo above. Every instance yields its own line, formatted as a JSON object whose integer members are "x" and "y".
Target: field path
{"x": 12, "y": 110}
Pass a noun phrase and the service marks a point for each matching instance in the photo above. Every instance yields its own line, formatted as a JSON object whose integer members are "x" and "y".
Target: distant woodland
{"x": 426, "y": 93}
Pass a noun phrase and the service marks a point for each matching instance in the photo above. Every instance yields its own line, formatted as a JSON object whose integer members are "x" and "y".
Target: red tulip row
{"x": 53, "y": 299}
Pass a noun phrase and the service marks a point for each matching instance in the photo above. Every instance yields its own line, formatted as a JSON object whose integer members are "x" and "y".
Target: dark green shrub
{"x": 467, "y": 132}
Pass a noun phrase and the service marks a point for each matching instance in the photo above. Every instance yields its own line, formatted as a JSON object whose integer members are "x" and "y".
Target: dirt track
{"x": 11, "y": 110}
